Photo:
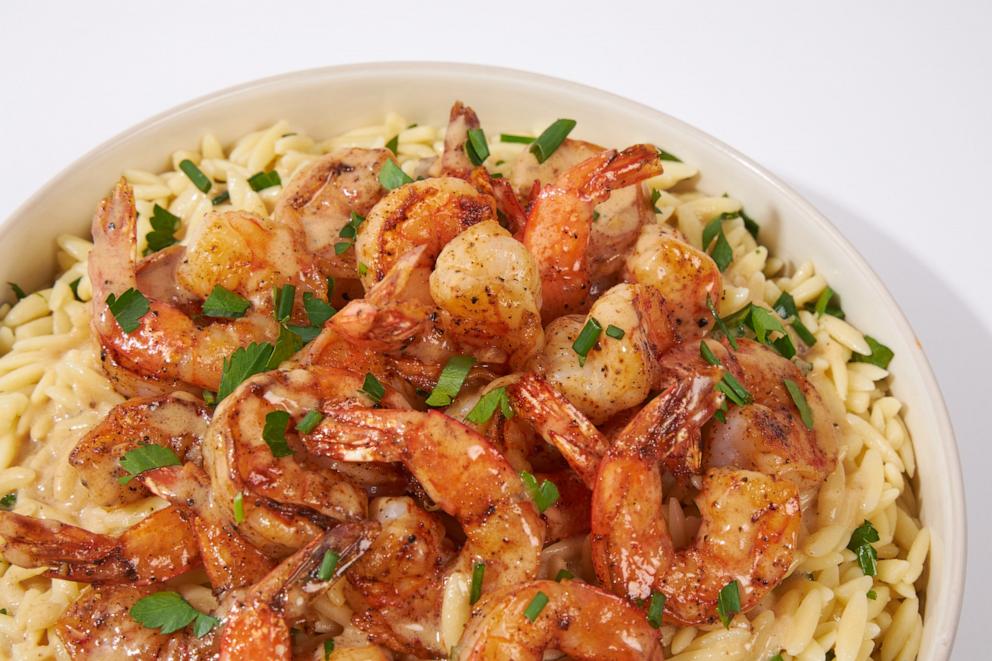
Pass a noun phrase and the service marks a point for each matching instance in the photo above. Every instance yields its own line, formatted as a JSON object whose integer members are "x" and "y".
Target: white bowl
{"x": 331, "y": 100}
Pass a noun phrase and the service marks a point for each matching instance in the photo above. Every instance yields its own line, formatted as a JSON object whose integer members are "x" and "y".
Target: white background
{"x": 878, "y": 112}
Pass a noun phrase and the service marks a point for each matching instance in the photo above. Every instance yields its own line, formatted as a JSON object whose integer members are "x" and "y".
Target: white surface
{"x": 875, "y": 113}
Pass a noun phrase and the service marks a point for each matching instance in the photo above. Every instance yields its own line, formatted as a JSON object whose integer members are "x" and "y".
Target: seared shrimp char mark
{"x": 750, "y": 521}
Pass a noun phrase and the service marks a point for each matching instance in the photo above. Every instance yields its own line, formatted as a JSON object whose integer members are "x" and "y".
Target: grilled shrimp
{"x": 156, "y": 549}
{"x": 258, "y": 625}
{"x": 617, "y": 373}
{"x": 750, "y": 521}
{"x": 767, "y": 435}
{"x": 617, "y": 220}
{"x": 685, "y": 276}
{"x": 168, "y": 350}
{"x": 428, "y": 213}
{"x": 287, "y": 500}
{"x": 177, "y": 421}
{"x": 487, "y": 286}
{"x": 321, "y": 198}
{"x": 464, "y": 475}
{"x": 559, "y": 225}
{"x": 578, "y": 619}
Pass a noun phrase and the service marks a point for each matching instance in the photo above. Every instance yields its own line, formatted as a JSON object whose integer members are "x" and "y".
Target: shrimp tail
{"x": 112, "y": 263}
{"x": 158, "y": 548}
{"x": 596, "y": 177}
{"x": 455, "y": 161}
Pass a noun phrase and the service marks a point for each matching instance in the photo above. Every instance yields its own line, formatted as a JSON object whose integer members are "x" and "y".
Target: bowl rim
{"x": 957, "y": 546}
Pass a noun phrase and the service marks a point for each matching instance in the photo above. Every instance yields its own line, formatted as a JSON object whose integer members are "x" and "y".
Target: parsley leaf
{"x": 169, "y": 612}
{"x": 880, "y": 355}
{"x": 451, "y": 380}
{"x": 318, "y": 311}
{"x": 487, "y": 405}
{"x": 274, "y": 433}
{"x": 391, "y": 176}
{"x": 861, "y": 544}
{"x": 128, "y": 309}
{"x": 164, "y": 226}
{"x": 728, "y": 603}
{"x": 243, "y": 363}
{"x": 146, "y": 457}
{"x": 656, "y": 609}
{"x": 373, "y": 388}
{"x": 544, "y": 495}
{"x": 225, "y": 304}
{"x": 7, "y": 502}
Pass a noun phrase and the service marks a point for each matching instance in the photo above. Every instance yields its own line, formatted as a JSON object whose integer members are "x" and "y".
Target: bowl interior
{"x": 332, "y": 100}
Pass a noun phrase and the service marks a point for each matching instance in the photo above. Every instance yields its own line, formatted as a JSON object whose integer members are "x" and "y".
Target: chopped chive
{"x": 668, "y": 156}
{"x": 239, "y": 507}
{"x": 871, "y": 594}
{"x": 552, "y": 137}
{"x": 7, "y": 502}
{"x": 274, "y": 433}
{"x": 763, "y": 322}
{"x": 451, "y": 380}
{"x": 225, "y": 304}
{"x": 777, "y": 657}
{"x": 749, "y": 224}
{"x": 721, "y": 413}
{"x": 734, "y": 390}
{"x": 615, "y": 332}
{"x": 18, "y": 292}
{"x": 373, "y": 388}
{"x": 220, "y": 198}
{"x": 74, "y": 286}
{"x": 363, "y": 268}
{"x": 861, "y": 544}
{"x": 784, "y": 346}
{"x": 283, "y": 297}
{"x": 328, "y": 564}
{"x": 262, "y": 180}
{"x": 823, "y": 305}
{"x": 563, "y": 575}
{"x": 544, "y": 495}
{"x": 391, "y": 176}
{"x": 721, "y": 325}
{"x": 728, "y": 603}
{"x": 394, "y": 143}
{"x": 476, "y": 146}
{"x": 163, "y": 234}
{"x": 478, "y": 573}
{"x": 487, "y": 405}
{"x": 330, "y": 288}
{"x": 587, "y": 339}
{"x": 785, "y": 306}
{"x": 195, "y": 175}
{"x": 328, "y": 648}
{"x": 808, "y": 338}
{"x": 707, "y": 354}
{"x": 535, "y": 606}
{"x": 800, "y": 401}
{"x": 341, "y": 247}
{"x": 656, "y": 609}
{"x": 519, "y": 139}
{"x": 880, "y": 355}
{"x": 128, "y": 309}
{"x": 309, "y": 422}
{"x": 722, "y": 253}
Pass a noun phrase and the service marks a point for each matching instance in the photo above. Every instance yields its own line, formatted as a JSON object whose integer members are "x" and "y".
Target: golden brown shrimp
{"x": 321, "y": 198}
{"x": 258, "y": 625}
{"x": 286, "y": 500}
{"x": 168, "y": 350}
{"x": 578, "y": 619}
{"x": 158, "y": 548}
{"x": 617, "y": 373}
{"x": 750, "y": 521}
{"x": 767, "y": 435}
{"x": 488, "y": 289}
{"x": 428, "y": 213}
{"x": 685, "y": 276}
{"x": 177, "y": 421}
{"x": 559, "y": 224}
{"x": 616, "y": 220}
{"x": 454, "y": 160}
{"x": 462, "y": 473}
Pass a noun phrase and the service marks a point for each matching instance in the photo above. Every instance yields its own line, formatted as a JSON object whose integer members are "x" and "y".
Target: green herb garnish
{"x": 393, "y": 144}
{"x": 563, "y": 575}
{"x": 163, "y": 234}
{"x": 221, "y": 198}
{"x": 128, "y": 308}
{"x": 328, "y": 565}
{"x": 238, "y": 507}
{"x": 74, "y": 286}
{"x": 796, "y": 393}
{"x": 478, "y": 573}
{"x": 262, "y": 180}
{"x": 391, "y": 176}
{"x": 880, "y": 355}
{"x": 487, "y": 405}
{"x": 476, "y": 146}
{"x": 587, "y": 339}
{"x": 169, "y": 612}
{"x": 728, "y": 603}
{"x": 861, "y": 544}
{"x": 283, "y": 299}
{"x": 309, "y": 422}
{"x": 225, "y": 304}
{"x": 544, "y": 495}
{"x": 451, "y": 380}
{"x": 552, "y": 137}
{"x": 274, "y": 433}
{"x": 373, "y": 388}
{"x": 195, "y": 175}
{"x": 243, "y": 363}
{"x": 519, "y": 139}
{"x": 7, "y": 502}
{"x": 535, "y": 606}
{"x": 615, "y": 332}
{"x": 656, "y": 609}
{"x": 146, "y": 457}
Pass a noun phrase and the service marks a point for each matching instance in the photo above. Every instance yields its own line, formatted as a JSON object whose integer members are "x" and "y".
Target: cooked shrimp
{"x": 750, "y": 521}
{"x": 177, "y": 421}
{"x": 560, "y": 222}
{"x": 258, "y": 626}
{"x": 767, "y": 435}
{"x": 321, "y": 198}
{"x": 578, "y": 619}
{"x": 168, "y": 350}
{"x": 427, "y": 213}
{"x": 616, "y": 220}
{"x": 617, "y": 373}
{"x": 488, "y": 289}
{"x": 685, "y": 276}
{"x": 228, "y": 559}
{"x": 156, "y": 549}
{"x": 290, "y": 499}
{"x": 454, "y": 159}
{"x": 98, "y": 627}
{"x": 462, "y": 473}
